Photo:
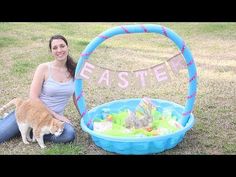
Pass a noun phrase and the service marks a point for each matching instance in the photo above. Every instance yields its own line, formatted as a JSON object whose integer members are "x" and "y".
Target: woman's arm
{"x": 37, "y": 82}
{"x": 36, "y": 88}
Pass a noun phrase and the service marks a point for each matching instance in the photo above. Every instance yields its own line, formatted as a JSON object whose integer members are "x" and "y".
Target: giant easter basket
{"x": 138, "y": 145}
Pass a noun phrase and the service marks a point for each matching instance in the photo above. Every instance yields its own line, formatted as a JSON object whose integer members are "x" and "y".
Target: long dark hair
{"x": 70, "y": 63}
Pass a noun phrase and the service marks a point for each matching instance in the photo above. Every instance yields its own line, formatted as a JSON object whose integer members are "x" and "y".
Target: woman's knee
{"x": 8, "y": 127}
{"x": 70, "y": 132}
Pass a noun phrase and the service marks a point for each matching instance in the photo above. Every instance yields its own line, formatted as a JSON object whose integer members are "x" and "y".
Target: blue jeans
{"x": 9, "y": 129}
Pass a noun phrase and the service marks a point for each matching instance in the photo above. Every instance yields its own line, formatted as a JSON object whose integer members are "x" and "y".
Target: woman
{"x": 53, "y": 84}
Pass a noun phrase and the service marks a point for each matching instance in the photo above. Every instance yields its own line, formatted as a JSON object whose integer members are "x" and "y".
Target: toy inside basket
{"x": 137, "y": 144}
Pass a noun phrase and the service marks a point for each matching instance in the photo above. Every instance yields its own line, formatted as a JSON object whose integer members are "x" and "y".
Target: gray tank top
{"x": 55, "y": 95}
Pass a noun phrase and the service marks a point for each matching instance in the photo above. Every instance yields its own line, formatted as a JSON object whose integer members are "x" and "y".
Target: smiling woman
{"x": 53, "y": 85}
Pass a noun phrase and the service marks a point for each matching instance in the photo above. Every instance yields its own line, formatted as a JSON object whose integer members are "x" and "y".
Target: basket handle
{"x": 145, "y": 28}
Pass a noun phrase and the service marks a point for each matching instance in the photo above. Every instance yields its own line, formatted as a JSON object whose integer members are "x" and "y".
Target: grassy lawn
{"x": 25, "y": 45}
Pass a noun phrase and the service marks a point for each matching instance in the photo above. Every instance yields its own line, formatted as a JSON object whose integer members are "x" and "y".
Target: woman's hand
{"x": 62, "y": 118}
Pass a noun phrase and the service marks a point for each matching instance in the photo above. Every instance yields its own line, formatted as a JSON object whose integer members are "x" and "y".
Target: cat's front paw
{"x": 42, "y": 146}
{"x": 33, "y": 139}
{"x": 29, "y": 139}
{"x": 26, "y": 142}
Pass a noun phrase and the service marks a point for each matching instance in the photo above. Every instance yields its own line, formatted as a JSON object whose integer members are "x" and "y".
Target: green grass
{"x": 63, "y": 149}
{"x": 23, "y": 46}
{"x": 21, "y": 67}
{"x": 7, "y": 41}
{"x": 229, "y": 148}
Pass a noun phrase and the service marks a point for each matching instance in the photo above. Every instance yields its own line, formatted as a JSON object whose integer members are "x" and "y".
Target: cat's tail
{"x": 13, "y": 102}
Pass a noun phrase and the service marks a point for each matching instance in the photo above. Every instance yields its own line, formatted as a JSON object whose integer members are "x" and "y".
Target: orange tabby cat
{"x": 32, "y": 114}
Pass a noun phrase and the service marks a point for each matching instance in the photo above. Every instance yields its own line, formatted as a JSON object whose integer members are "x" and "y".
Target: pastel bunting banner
{"x": 140, "y": 78}
{"x": 177, "y": 63}
{"x": 161, "y": 72}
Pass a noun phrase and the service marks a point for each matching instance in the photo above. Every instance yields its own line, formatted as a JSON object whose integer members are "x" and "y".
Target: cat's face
{"x": 57, "y": 128}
